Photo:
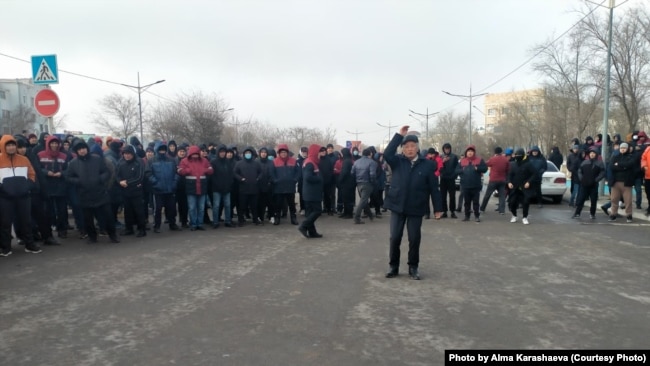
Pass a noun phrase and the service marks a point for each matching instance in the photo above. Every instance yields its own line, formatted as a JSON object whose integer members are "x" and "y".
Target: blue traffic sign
{"x": 44, "y": 70}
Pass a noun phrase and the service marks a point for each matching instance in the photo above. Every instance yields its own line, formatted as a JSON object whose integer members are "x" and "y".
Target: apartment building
{"x": 17, "y": 111}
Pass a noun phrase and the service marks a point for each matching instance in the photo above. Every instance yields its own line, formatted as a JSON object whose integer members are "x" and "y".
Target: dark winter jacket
{"x": 224, "y": 173}
{"x": 265, "y": 182}
{"x": 135, "y": 172}
{"x": 624, "y": 169}
{"x": 449, "y": 164}
{"x": 163, "y": 172}
{"x": 412, "y": 183}
{"x": 556, "y": 157}
{"x": 285, "y": 173}
{"x": 56, "y": 163}
{"x": 89, "y": 174}
{"x": 364, "y": 170}
{"x": 247, "y": 174}
{"x": 312, "y": 180}
{"x": 326, "y": 167}
{"x": 522, "y": 172}
{"x": 470, "y": 170}
{"x": 591, "y": 172}
{"x": 539, "y": 164}
{"x": 345, "y": 178}
{"x": 573, "y": 162}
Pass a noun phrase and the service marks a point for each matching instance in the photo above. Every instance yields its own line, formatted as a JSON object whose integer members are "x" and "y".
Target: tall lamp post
{"x": 141, "y": 89}
{"x": 427, "y": 115}
{"x": 470, "y": 97}
{"x": 388, "y": 127}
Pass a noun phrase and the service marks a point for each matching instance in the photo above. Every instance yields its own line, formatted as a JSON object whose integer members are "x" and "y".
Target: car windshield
{"x": 550, "y": 167}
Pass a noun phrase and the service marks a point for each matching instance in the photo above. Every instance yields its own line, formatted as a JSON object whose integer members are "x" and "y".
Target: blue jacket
{"x": 411, "y": 183}
{"x": 163, "y": 174}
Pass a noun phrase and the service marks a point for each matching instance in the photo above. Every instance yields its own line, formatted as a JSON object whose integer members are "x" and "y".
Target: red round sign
{"x": 46, "y": 102}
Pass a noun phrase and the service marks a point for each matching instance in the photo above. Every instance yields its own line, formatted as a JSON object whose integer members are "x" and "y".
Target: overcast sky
{"x": 347, "y": 64}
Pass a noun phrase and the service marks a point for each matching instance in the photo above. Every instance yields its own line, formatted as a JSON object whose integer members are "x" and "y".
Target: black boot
{"x": 294, "y": 219}
{"x": 392, "y": 272}
{"x": 413, "y": 273}
{"x": 276, "y": 220}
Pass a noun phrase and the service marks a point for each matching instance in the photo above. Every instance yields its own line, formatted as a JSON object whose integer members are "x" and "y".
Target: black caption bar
{"x": 546, "y": 357}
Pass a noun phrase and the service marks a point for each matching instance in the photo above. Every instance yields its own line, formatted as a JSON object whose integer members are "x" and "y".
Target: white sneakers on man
{"x": 525, "y": 221}
{"x": 513, "y": 219}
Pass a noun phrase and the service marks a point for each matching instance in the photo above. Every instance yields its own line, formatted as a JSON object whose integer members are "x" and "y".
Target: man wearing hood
{"x": 137, "y": 145}
{"x": 539, "y": 163}
{"x": 181, "y": 193}
{"x": 312, "y": 189}
{"x": 470, "y": 169}
{"x": 164, "y": 180}
{"x": 89, "y": 174}
{"x": 285, "y": 175}
{"x": 222, "y": 182}
{"x": 300, "y": 160}
{"x": 624, "y": 168}
{"x": 17, "y": 177}
{"x": 248, "y": 172}
{"x": 448, "y": 180}
{"x": 590, "y": 173}
{"x": 131, "y": 174}
{"x": 556, "y": 157}
{"x": 520, "y": 175}
{"x": 196, "y": 170}
{"x": 265, "y": 201}
{"x": 172, "y": 149}
{"x": 53, "y": 164}
{"x": 413, "y": 181}
{"x": 41, "y": 143}
{"x": 326, "y": 167}
{"x": 573, "y": 161}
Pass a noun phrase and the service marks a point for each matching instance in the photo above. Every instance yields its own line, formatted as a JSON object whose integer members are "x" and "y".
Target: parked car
{"x": 553, "y": 182}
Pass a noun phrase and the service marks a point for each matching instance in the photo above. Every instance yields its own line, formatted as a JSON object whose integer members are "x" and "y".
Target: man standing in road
{"x": 413, "y": 181}
{"x": 365, "y": 172}
{"x": 499, "y": 166}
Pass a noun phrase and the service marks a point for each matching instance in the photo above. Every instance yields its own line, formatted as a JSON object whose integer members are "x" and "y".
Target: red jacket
{"x": 195, "y": 169}
{"x": 499, "y": 166}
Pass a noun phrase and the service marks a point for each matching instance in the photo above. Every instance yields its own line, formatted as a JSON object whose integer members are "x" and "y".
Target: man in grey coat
{"x": 364, "y": 171}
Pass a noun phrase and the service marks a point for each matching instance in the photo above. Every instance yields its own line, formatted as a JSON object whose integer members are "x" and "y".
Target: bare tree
{"x": 118, "y": 115}
{"x": 20, "y": 119}
{"x": 452, "y": 129}
{"x": 630, "y": 60}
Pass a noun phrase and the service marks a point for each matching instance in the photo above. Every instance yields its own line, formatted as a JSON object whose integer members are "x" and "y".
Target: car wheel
{"x": 557, "y": 199}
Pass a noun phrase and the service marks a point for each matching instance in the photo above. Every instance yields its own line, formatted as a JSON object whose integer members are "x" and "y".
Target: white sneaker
{"x": 513, "y": 219}
{"x": 272, "y": 220}
{"x": 525, "y": 221}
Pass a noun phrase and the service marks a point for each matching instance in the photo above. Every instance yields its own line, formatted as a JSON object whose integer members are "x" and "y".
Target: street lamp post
{"x": 389, "y": 127}
{"x": 141, "y": 89}
{"x": 470, "y": 97}
{"x": 427, "y": 115}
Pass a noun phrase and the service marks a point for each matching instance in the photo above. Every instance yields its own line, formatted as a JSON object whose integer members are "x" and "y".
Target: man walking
{"x": 499, "y": 166}
{"x": 365, "y": 172}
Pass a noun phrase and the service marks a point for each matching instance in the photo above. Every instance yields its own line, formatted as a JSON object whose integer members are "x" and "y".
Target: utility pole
{"x": 470, "y": 97}
{"x": 389, "y": 127}
{"x": 141, "y": 89}
{"x": 427, "y": 115}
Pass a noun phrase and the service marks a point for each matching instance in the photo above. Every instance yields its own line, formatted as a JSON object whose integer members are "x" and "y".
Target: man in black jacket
{"x": 413, "y": 182}
{"x": 89, "y": 175}
{"x": 130, "y": 175}
{"x": 448, "y": 180}
{"x": 624, "y": 170}
{"x": 222, "y": 182}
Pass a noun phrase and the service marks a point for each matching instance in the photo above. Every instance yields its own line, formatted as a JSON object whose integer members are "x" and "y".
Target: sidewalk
{"x": 637, "y": 214}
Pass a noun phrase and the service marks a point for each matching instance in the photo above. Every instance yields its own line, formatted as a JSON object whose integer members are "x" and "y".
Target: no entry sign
{"x": 46, "y": 102}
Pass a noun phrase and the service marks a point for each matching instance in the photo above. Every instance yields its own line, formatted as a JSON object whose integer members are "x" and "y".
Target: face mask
{"x": 355, "y": 153}
{"x": 270, "y": 157}
{"x": 248, "y": 156}
{"x": 519, "y": 158}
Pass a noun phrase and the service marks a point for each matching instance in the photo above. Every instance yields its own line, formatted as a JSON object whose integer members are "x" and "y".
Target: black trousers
{"x": 472, "y": 196}
{"x": 15, "y": 209}
{"x": 40, "y": 217}
{"x": 134, "y": 213}
{"x": 168, "y": 201}
{"x": 517, "y": 197}
{"x": 181, "y": 202}
{"x": 448, "y": 188}
{"x": 592, "y": 193}
{"x": 57, "y": 208}
{"x": 313, "y": 210}
{"x": 413, "y": 227}
{"x": 281, "y": 201}
{"x": 247, "y": 203}
{"x": 103, "y": 214}
{"x": 264, "y": 203}
{"x": 499, "y": 187}
{"x": 328, "y": 197}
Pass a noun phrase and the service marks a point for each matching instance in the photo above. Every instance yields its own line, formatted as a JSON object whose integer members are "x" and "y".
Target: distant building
{"x": 17, "y": 111}
{"x": 498, "y": 106}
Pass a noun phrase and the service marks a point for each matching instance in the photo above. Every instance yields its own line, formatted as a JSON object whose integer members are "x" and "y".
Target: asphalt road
{"x": 268, "y": 296}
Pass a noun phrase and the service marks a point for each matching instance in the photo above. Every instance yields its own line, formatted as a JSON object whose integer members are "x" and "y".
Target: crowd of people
{"x": 212, "y": 185}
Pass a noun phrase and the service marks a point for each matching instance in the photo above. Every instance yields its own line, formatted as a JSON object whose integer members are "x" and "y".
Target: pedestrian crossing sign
{"x": 44, "y": 70}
